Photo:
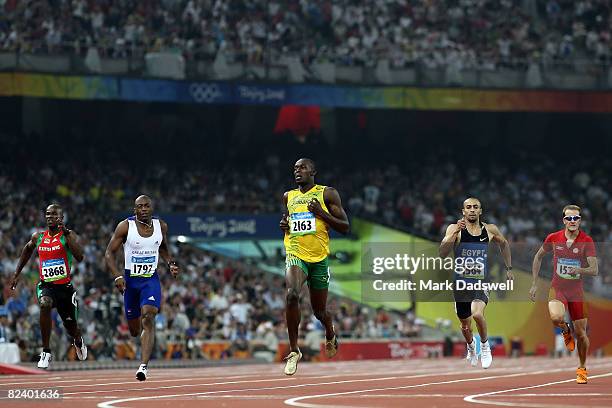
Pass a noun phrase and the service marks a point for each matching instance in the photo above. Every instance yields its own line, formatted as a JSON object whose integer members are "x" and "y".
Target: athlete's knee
{"x": 293, "y": 296}
{"x": 148, "y": 319}
{"x": 557, "y": 319}
{"x": 478, "y": 315}
{"x": 45, "y": 304}
{"x": 72, "y": 328}
{"x": 581, "y": 334}
{"x": 320, "y": 314}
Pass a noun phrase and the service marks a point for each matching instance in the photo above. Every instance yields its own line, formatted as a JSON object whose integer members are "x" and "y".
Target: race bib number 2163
{"x": 302, "y": 223}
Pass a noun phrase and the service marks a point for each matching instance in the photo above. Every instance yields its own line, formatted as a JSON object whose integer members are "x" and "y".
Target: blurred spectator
{"x": 486, "y": 34}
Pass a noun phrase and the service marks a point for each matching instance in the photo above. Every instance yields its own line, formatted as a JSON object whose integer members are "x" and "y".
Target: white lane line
{"x": 372, "y": 367}
{"x": 275, "y": 379}
{"x": 130, "y": 378}
{"x": 296, "y": 401}
{"x": 476, "y": 397}
{"x": 110, "y": 404}
{"x": 585, "y": 394}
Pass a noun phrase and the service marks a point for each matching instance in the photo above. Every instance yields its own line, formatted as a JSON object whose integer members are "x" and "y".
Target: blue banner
{"x": 222, "y": 226}
{"x": 373, "y": 97}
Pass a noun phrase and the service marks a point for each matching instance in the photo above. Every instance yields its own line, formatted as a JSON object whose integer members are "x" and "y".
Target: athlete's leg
{"x": 131, "y": 302}
{"x": 464, "y": 313}
{"x": 67, "y": 308}
{"x": 580, "y": 327}
{"x": 466, "y": 329}
{"x": 556, "y": 308}
{"x": 147, "y": 338}
{"x": 46, "y": 304}
{"x": 135, "y": 327}
{"x": 73, "y": 330}
{"x": 294, "y": 280}
{"x": 318, "y": 300}
{"x": 478, "y": 307}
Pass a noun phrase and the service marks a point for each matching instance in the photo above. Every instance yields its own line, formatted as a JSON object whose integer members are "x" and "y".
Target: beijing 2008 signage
{"x": 224, "y": 226}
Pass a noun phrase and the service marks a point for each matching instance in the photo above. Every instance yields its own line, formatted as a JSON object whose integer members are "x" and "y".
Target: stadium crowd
{"x": 485, "y": 34}
{"x": 232, "y": 300}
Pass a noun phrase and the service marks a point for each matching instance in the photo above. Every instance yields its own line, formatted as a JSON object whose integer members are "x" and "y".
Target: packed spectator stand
{"x": 480, "y": 34}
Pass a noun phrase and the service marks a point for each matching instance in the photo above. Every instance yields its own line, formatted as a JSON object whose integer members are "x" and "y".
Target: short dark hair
{"x": 470, "y": 198}
{"x": 310, "y": 161}
{"x": 56, "y": 207}
{"x": 571, "y": 207}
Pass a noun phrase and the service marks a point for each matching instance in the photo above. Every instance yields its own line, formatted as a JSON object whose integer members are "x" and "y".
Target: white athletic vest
{"x": 141, "y": 254}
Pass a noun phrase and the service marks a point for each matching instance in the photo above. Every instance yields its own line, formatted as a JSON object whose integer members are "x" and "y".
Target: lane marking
{"x": 110, "y": 404}
{"x": 474, "y": 398}
{"x": 296, "y": 401}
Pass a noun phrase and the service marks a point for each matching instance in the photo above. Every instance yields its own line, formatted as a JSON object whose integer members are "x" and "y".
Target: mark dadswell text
{"x": 408, "y": 285}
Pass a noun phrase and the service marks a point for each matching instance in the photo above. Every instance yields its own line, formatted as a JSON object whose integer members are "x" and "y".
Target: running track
{"x": 447, "y": 383}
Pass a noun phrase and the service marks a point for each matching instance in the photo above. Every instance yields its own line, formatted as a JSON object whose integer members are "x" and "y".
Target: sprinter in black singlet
{"x": 469, "y": 240}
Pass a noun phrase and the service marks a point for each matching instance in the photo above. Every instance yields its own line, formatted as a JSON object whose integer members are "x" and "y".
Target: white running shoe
{"x": 292, "y": 362}
{"x": 81, "y": 351}
{"x": 485, "y": 354}
{"x": 472, "y": 355}
{"x": 45, "y": 360}
{"x": 141, "y": 374}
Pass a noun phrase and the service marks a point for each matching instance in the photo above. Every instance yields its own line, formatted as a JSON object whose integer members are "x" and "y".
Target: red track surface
{"x": 526, "y": 382}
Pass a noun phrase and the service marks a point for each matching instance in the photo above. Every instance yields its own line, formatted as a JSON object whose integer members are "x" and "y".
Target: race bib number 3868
{"x": 54, "y": 269}
{"x": 302, "y": 223}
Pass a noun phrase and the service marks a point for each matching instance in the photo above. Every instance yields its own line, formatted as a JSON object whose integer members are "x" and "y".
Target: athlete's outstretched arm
{"x": 504, "y": 248}
{"x": 535, "y": 271}
{"x": 26, "y": 253}
{"x": 336, "y": 217}
{"x": 164, "y": 252}
{"x": 118, "y": 238}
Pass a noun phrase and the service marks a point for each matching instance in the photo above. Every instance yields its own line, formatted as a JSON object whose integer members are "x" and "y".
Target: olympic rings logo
{"x": 204, "y": 93}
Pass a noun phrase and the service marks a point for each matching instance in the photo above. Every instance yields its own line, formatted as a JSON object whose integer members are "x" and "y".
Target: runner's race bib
{"x": 302, "y": 223}
{"x": 476, "y": 272}
{"x": 54, "y": 269}
{"x": 143, "y": 266}
{"x": 563, "y": 266}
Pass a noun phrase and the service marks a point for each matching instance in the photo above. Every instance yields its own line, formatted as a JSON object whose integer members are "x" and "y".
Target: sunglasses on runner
{"x": 571, "y": 218}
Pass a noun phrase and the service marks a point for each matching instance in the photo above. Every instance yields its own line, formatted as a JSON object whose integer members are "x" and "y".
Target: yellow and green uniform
{"x": 307, "y": 241}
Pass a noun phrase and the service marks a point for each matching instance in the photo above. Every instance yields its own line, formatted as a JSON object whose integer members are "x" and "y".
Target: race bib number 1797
{"x": 143, "y": 266}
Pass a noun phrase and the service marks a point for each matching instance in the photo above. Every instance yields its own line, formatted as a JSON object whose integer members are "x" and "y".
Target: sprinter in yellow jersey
{"x": 312, "y": 209}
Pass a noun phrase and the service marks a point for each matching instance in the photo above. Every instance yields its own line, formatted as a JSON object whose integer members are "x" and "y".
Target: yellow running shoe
{"x": 292, "y": 362}
{"x": 331, "y": 347}
{"x": 581, "y": 375}
{"x": 570, "y": 344}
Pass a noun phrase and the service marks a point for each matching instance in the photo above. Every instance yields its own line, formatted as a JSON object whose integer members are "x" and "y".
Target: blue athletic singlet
{"x": 141, "y": 259}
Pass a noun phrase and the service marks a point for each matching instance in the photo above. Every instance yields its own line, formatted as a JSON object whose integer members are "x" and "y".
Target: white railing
{"x": 571, "y": 74}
